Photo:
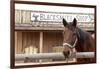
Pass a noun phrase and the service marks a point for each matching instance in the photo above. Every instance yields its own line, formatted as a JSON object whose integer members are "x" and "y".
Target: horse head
{"x": 69, "y": 36}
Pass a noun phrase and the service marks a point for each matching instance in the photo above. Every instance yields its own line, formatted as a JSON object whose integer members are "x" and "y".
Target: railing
{"x": 53, "y": 55}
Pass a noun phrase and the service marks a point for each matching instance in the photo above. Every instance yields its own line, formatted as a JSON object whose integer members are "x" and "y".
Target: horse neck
{"x": 81, "y": 39}
{"x": 85, "y": 41}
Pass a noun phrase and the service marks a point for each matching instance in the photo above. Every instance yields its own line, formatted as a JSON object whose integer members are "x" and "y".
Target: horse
{"x": 81, "y": 40}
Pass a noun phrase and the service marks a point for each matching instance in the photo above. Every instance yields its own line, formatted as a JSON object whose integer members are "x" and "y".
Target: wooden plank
{"x": 47, "y": 28}
{"x": 19, "y": 42}
{"x": 36, "y": 63}
{"x": 24, "y": 41}
{"x": 18, "y": 16}
{"x": 25, "y": 16}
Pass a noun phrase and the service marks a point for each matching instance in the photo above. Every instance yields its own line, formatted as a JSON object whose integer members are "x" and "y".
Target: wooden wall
{"x": 52, "y": 39}
{"x": 18, "y": 42}
{"x": 22, "y": 16}
{"x": 26, "y": 39}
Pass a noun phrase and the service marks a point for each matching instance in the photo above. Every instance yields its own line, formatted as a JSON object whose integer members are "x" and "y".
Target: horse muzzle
{"x": 67, "y": 50}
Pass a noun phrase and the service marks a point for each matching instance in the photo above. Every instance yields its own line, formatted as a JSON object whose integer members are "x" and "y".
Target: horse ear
{"x": 74, "y": 22}
{"x": 64, "y": 22}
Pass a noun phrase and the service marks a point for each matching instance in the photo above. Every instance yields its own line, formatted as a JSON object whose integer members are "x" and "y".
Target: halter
{"x": 71, "y": 46}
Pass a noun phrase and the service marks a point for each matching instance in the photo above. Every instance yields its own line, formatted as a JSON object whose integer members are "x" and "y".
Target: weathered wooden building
{"x": 39, "y": 36}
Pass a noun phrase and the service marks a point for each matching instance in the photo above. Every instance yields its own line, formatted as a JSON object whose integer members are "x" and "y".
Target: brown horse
{"x": 74, "y": 37}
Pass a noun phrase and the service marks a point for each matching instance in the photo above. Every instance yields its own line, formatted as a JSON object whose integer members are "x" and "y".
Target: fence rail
{"x": 59, "y": 55}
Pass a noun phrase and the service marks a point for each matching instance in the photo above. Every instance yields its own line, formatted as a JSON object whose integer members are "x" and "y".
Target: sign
{"x": 57, "y": 17}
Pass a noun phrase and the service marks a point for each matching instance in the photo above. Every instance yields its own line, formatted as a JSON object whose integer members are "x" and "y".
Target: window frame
{"x": 12, "y": 30}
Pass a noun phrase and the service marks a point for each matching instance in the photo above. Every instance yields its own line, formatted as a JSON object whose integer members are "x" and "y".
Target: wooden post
{"x": 41, "y": 44}
{"x": 16, "y": 43}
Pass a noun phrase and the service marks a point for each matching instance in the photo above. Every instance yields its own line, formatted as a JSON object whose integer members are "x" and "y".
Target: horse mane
{"x": 82, "y": 35}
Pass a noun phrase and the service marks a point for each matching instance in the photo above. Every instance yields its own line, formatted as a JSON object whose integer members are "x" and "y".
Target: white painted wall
{"x": 5, "y": 34}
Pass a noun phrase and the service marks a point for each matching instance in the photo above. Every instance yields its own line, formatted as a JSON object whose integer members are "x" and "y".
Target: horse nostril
{"x": 67, "y": 53}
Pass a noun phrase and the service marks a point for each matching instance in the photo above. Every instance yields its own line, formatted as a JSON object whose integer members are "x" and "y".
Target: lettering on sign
{"x": 57, "y": 17}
